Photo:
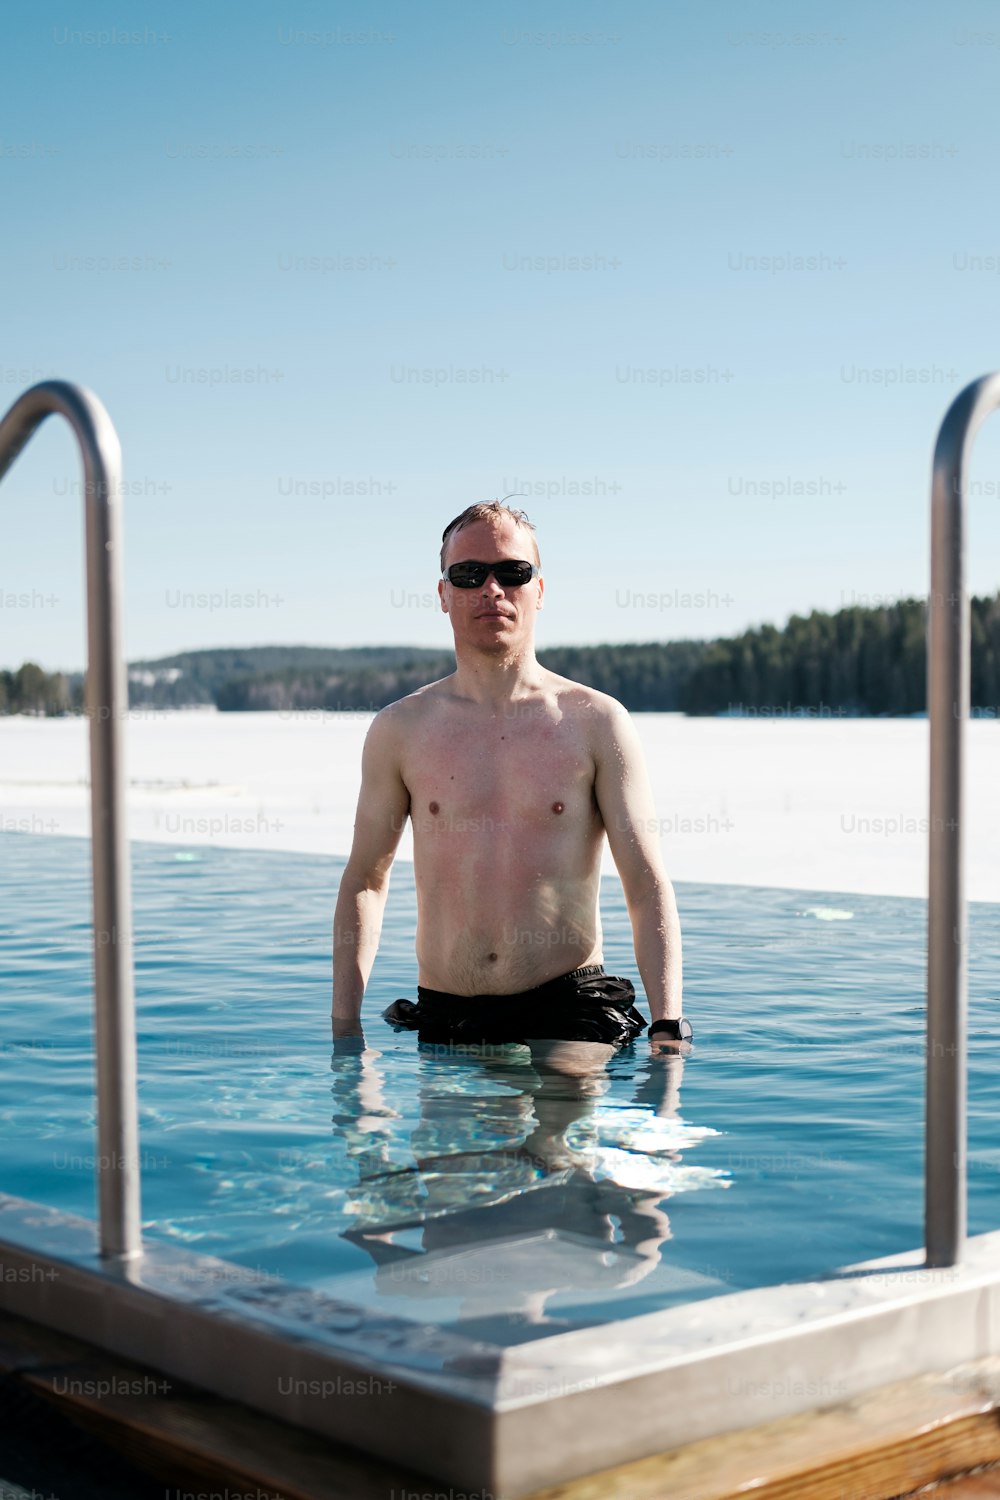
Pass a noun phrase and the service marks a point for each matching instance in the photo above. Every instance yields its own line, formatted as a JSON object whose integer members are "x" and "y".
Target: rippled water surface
{"x": 487, "y": 1190}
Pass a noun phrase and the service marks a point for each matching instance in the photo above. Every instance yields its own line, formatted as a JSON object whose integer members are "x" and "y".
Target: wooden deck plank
{"x": 985, "y": 1486}
{"x": 876, "y": 1447}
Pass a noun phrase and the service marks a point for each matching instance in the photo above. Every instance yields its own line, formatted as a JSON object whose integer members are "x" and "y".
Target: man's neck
{"x": 495, "y": 679}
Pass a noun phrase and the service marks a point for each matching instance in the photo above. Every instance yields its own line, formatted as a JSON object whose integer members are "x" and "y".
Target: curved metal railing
{"x": 106, "y": 706}
{"x": 948, "y": 673}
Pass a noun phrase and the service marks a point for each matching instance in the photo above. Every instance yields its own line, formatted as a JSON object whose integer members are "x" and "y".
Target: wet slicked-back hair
{"x": 495, "y": 511}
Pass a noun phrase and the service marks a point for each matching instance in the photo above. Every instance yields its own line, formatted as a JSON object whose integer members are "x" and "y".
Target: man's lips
{"x": 493, "y": 614}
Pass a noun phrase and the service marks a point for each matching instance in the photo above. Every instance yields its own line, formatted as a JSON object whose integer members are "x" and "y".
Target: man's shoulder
{"x": 580, "y": 698}
{"x": 604, "y": 724}
{"x": 403, "y": 711}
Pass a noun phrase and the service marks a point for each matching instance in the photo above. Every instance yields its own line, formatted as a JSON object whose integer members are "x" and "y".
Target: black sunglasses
{"x": 508, "y": 574}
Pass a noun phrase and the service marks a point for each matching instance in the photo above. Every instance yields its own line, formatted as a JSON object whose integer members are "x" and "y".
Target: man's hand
{"x": 661, "y": 1043}
{"x": 348, "y": 1034}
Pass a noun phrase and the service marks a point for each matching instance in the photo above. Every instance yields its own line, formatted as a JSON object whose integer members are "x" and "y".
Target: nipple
{"x": 557, "y": 807}
{"x": 435, "y": 808}
{"x": 493, "y": 958}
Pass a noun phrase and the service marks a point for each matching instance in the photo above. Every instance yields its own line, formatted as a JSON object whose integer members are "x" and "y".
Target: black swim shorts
{"x": 586, "y": 1005}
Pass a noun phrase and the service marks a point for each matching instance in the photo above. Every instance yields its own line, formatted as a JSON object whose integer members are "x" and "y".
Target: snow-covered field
{"x": 817, "y": 804}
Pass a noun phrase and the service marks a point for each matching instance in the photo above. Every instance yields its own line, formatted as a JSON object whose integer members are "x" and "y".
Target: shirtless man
{"x": 512, "y": 776}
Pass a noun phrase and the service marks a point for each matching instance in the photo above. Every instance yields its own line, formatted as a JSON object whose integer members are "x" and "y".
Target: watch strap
{"x": 678, "y": 1030}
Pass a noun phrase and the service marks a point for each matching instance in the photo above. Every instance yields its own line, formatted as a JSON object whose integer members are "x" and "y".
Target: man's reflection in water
{"x": 515, "y": 1194}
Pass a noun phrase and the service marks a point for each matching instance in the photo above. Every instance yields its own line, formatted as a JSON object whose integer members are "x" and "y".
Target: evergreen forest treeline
{"x": 857, "y": 661}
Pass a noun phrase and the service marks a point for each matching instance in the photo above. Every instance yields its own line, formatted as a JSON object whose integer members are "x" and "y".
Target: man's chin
{"x": 493, "y": 642}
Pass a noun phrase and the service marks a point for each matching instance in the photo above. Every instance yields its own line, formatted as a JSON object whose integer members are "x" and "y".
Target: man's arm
{"x": 383, "y": 806}
{"x": 625, "y": 799}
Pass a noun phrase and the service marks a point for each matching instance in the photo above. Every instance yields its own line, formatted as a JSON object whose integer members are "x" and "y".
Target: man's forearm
{"x": 656, "y": 934}
{"x": 357, "y": 927}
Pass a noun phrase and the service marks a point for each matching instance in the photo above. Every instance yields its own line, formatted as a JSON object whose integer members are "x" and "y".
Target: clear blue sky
{"x": 243, "y": 158}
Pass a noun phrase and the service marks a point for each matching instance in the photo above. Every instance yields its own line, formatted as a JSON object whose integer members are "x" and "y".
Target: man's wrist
{"x": 343, "y": 1020}
{"x": 672, "y": 1028}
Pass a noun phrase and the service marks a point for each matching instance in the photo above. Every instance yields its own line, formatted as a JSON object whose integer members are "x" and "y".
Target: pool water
{"x": 482, "y": 1191}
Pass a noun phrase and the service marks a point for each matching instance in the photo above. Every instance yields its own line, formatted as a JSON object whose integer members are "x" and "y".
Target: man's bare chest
{"x": 498, "y": 770}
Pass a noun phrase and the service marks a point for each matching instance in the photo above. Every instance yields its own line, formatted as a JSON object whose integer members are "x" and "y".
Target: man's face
{"x": 492, "y": 617}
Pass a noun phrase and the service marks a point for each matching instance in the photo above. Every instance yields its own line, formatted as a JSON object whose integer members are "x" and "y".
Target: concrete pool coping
{"x": 504, "y": 1420}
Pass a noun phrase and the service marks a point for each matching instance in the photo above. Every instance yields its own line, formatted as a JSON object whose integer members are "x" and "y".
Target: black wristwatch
{"x": 674, "y": 1031}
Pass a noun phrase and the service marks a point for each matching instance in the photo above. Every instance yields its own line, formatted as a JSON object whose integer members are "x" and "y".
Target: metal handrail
{"x": 948, "y": 672}
{"x": 106, "y": 705}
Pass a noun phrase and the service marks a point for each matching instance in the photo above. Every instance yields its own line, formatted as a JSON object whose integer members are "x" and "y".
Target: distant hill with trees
{"x": 857, "y": 661}
{"x": 30, "y": 690}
